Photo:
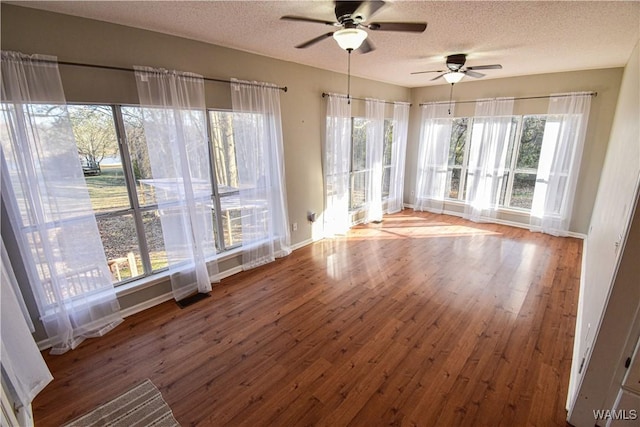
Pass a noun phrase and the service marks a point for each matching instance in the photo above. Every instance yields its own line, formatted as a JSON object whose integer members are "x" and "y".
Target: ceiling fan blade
{"x": 473, "y": 74}
{"x": 303, "y": 19}
{"x": 313, "y": 41}
{"x": 366, "y": 46}
{"x": 436, "y": 78}
{"x": 367, "y": 8}
{"x": 486, "y": 67}
{"x": 411, "y": 27}
{"x": 431, "y": 71}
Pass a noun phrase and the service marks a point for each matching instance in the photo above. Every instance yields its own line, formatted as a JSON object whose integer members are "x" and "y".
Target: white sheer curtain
{"x": 374, "y": 110}
{"x": 22, "y": 364}
{"x": 257, "y": 132}
{"x": 337, "y": 162}
{"x": 559, "y": 163}
{"x": 492, "y": 131}
{"x": 49, "y": 207}
{"x": 395, "y": 201}
{"x": 433, "y": 157}
{"x": 174, "y": 116}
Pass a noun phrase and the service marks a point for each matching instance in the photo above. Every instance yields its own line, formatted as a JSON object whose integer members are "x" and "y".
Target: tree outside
{"x": 94, "y": 133}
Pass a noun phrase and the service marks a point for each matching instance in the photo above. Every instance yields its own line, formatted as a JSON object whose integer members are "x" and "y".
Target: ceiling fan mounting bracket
{"x": 345, "y": 13}
{"x": 456, "y": 62}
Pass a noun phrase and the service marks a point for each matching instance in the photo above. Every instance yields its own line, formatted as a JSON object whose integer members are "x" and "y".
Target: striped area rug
{"x": 141, "y": 406}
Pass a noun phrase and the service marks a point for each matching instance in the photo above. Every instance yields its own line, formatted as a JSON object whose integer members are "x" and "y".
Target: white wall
{"x": 609, "y": 291}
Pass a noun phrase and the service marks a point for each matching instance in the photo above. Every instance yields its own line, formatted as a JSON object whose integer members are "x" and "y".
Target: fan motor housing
{"x": 455, "y": 62}
{"x": 344, "y": 12}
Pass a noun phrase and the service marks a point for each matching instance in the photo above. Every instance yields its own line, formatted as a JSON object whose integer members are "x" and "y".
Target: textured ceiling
{"x": 526, "y": 37}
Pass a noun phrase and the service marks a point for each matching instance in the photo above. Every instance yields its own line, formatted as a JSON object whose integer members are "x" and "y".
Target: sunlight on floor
{"x": 402, "y": 227}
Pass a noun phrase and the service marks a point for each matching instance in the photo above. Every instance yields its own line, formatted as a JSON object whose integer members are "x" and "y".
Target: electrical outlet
{"x": 294, "y": 226}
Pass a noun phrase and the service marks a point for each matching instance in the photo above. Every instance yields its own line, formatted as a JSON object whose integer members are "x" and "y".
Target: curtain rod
{"x": 109, "y": 67}
{"x": 594, "y": 94}
{"x": 324, "y": 94}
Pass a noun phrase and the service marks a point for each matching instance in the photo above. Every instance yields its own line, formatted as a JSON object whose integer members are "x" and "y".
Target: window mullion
{"x": 514, "y": 159}
{"x": 465, "y": 160}
{"x": 214, "y": 188}
{"x": 131, "y": 189}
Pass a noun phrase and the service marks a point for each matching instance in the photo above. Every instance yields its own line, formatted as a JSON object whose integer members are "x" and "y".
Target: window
{"x": 95, "y": 133}
{"x": 115, "y": 162}
{"x": 359, "y": 172}
{"x": 123, "y": 193}
{"x": 226, "y": 174}
{"x": 145, "y": 193}
{"x": 526, "y": 162}
{"x": 458, "y": 153}
{"x": 387, "y": 150}
{"x": 521, "y": 165}
{"x": 358, "y": 178}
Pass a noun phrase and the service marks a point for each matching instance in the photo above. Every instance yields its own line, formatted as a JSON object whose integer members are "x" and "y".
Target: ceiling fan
{"x": 456, "y": 70}
{"x": 351, "y": 21}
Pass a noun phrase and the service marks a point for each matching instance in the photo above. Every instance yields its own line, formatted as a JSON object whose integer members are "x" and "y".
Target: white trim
{"x": 46, "y": 343}
{"x": 169, "y": 295}
{"x": 140, "y": 284}
{"x": 146, "y": 304}
{"x": 9, "y": 415}
{"x": 505, "y": 222}
{"x": 147, "y": 282}
{"x": 230, "y": 272}
{"x": 304, "y": 243}
{"x": 154, "y": 279}
{"x": 574, "y": 376}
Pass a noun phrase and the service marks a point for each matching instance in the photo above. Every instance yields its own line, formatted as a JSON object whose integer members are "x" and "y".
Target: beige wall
{"x": 606, "y": 82}
{"x": 74, "y": 39}
{"x": 81, "y": 40}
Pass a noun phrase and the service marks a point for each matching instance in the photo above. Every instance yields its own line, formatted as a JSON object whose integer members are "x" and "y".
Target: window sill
{"x": 163, "y": 276}
{"x": 502, "y": 209}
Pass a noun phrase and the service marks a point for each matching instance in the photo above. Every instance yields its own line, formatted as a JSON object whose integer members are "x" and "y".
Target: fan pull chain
{"x": 349, "y": 77}
{"x": 450, "y": 96}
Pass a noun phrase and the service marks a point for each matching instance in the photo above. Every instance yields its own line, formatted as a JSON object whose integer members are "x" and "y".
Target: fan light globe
{"x": 350, "y": 38}
{"x": 453, "y": 77}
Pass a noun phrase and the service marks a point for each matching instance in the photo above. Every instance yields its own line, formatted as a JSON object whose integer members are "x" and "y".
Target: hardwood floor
{"x": 424, "y": 320}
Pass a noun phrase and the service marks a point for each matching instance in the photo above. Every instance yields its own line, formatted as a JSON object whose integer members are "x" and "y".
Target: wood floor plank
{"x": 422, "y": 320}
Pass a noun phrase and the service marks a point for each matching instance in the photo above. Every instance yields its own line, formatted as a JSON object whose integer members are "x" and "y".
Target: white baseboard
{"x": 505, "y": 222}
{"x": 130, "y": 311}
{"x": 574, "y": 377}
{"x": 303, "y": 243}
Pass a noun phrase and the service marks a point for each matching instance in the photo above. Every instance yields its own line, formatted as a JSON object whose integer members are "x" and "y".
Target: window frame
{"x": 463, "y": 167}
{"x": 352, "y": 173}
{"x": 387, "y": 168}
{"x": 136, "y": 210}
{"x": 510, "y": 171}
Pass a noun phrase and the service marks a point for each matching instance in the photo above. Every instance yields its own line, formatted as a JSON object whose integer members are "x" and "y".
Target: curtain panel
{"x": 22, "y": 364}
{"x": 395, "y": 201}
{"x": 559, "y": 164}
{"x": 174, "y": 117}
{"x": 336, "y": 165}
{"x": 433, "y": 157}
{"x": 374, "y": 110}
{"x": 49, "y": 207}
{"x": 492, "y": 131}
{"x": 257, "y": 132}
